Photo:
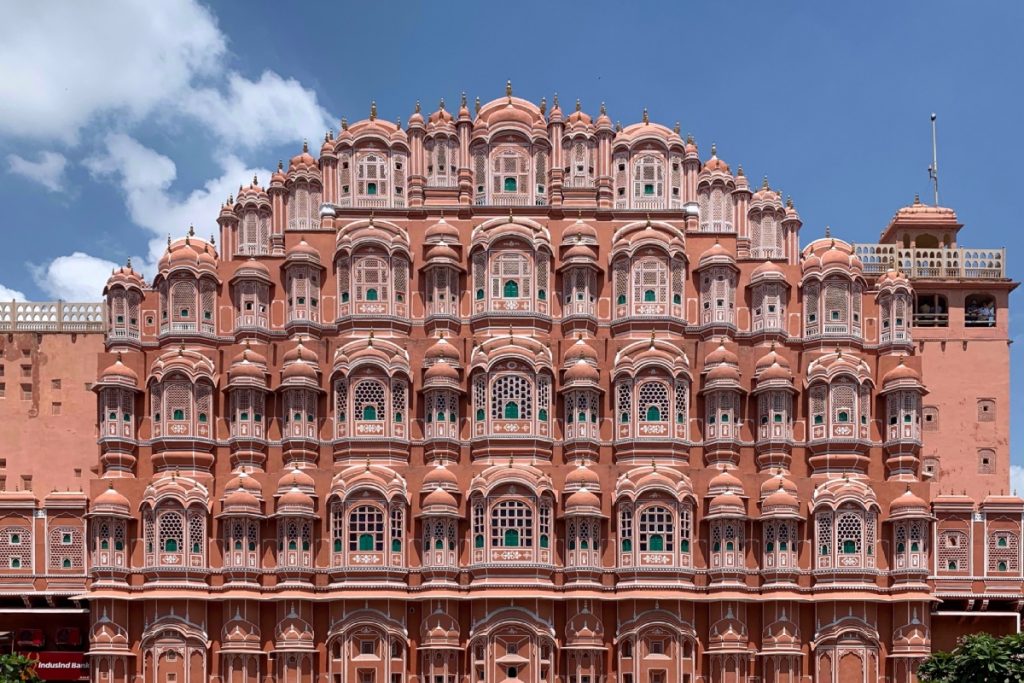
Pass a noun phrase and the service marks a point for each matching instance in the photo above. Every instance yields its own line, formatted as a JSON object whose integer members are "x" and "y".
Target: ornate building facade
{"x": 519, "y": 395}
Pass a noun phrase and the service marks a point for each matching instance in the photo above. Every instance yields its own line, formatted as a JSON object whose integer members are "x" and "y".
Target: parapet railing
{"x": 51, "y": 316}
{"x": 971, "y": 264}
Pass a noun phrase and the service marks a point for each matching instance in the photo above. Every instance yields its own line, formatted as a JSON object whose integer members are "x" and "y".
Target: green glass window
{"x": 769, "y": 547}
{"x": 371, "y": 188}
{"x": 510, "y": 184}
{"x": 951, "y": 566}
{"x": 371, "y": 294}
{"x": 337, "y": 545}
{"x": 398, "y": 417}
{"x": 478, "y": 541}
{"x": 542, "y": 294}
{"x": 653, "y": 414}
{"x": 900, "y": 547}
{"x": 366, "y": 542}
{"x": 1001, "y": 542}
{"x": 544, "y": 541}
{"x": 479, "y": 294}
{"x": 238, "y": 544}
{"x": 66, "y": 564}
{"x": 656, "y": 543}
{"x": 648, "y": 189}
{"x": 843, "y": 416}
{"x": 438, "y": 544}
{"x": 685, "y": 545}
{"x": 624, "y": 418}
{"x": 621, "y": 299}
{"x": 627, "y": 545}
{"x": 118, "y": 545}
{"x": 511, "y": 538}
{"x": 480, "y": 414}
{"x": 1002, "y": 566}
{"x": 542, "y": 414}
{"x": 510, "y": 290}
{"x": 819, "y": 419}
{"x": 196, "y": 547}
{"x": 104, "y": 544}
{"x": 344, "y": 297}
{"x": 915, "y": 547}
{"x": 202, "y": 418}
{"x": 179, "y": 414}
{"x": 369, "y": 412}
{"x": 396, "y": 545}
{"x": 676, "y": 299}
{"x": 649, "y": 295}
{"x": 849, "y": 547}
{"x": 511, "y": 410}
{"x": 170, "y": 545}
{"x": 15, "y": 563}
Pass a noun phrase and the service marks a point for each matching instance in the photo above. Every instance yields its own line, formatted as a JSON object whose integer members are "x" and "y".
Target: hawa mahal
{"x": 512, "y": 394}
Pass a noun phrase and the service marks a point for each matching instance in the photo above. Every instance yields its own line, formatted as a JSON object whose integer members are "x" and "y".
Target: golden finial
{"x": 211, "y": 240}
{"x": 828, "y": 231}
{"x": 344, "y": 123}
{"x": 555, "y": 101}
{"x": 511, "y": 218}
{"x": 398, "y": 121}
{"x": 231, "y": 199}
{"x": 168, "y": 240}
{"x": 618, "y": 126}
{"x": 764, "y": 183}
{"x": 689, "y": 138}
{"x": 191, "y": 230}
{"x": 646, "y": 117}
{"x": 648, "y": 220}
{"x": 280, "y": 164}
{"x": 917, "y": 198}
{"x": 508, "y": 89}
{"x": 789, "y": 202}
{"x": 739, "y": 171}
{"x": 128, "y": 265}
{"x": 371, "y": 219}
{"x": 369, "y": 341}
{"x": 417, "y": 106}
{"x": 604, "y": 109}
{"x": 327, "y": 135}
{"x": 440, "y": 105}
{"x": 714, "y": 149}
{"x": 652, "y": 339}
{"x": 373, "y": 110}
{"x": 462, "y": 99}
{"x": 543, "y": 106}
{"x": 476, "y": 105}
{"x": 510, "y": 334}
{"x": 305, "y": 148}
{"x": 676, "y": 128}
{"x": 577, "y": 104}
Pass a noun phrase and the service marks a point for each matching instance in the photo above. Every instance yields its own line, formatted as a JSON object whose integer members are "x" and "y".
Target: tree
{"x": 977, "y": 658}
{"x": 17, "y": 668}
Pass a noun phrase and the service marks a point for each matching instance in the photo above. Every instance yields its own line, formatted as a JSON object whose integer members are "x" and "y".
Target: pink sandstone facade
{"x": 519, "y": 395}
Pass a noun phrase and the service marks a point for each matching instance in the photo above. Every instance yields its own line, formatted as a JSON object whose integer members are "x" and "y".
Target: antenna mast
{"x": 933, "y": 170}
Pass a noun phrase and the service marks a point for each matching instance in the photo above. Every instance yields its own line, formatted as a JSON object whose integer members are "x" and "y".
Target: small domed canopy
{"x": 779, "y": 499}
{"x": 633, "y": 484}
{"x": 725, "y": 482}
{"x": 442, "y": 253}
{"x": 526, "y": 230}
{"x": 188, "y": 254}
{"x": 901, "y": 377}
{"x": 183, "y": 490}
{"x": 721, "y": 370}
{"x": 582, "y": 374}
{"x": 440, "y": 476}
{"x": 117, "y": 374}
{"x": 251, "y": 197}
{"x": 511, "y": 474}
{"x": 383, "y": 354}
{"x": 189, "y": 362}
{"x": 716, "y": 255}
{"x": 836, "y": 363}
{"x": 296, "y": 478}
{"x": 632, "y": 237}
{"x": 579, "y": 350}
{"x": 111, "y": 503}
{"x": 773, "y": 371}
{"x": 251, "y": 270}
{"x": 836, "y": 491}
{"x": 892, "y": 280}
{"x": 583, "y": 503}
{"x": 726, "y": 505}
{"x": 440, "y": 631}
{"x": 714, "y": 166}
{"x": 908, "y": 506}
{"x": 582, "y": 476}
{"x": 248, "y": 368}
{"x": 510, "y": 114}
{"x": 656, "y": 353}
{"x": 579, "y": 233}
{"x": 442, "y": 231}
{"x": 444, "y": 350}
{"x": 302, "y": 252}
{"x": 769, "y": 272}
{"x": 301, "y": 367}
{"x": 379, "y": 479}
{"x": 439, "y": 503}
{"x": 126, "y": 277}
{"x": 294, "y": 503}
{"x": 373, "y": 130}
{"x": 828, "y": 255}
{"x": 635, "y": 134}
{"x": 373, "y": 233}
{"x": 243, "y": 497}
{"x": 535, "y": 353}
{"x": 441, "y": 374}
{"x": 584, "y": 631}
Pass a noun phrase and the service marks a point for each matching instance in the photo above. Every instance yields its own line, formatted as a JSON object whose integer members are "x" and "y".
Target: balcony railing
{"x": 51, "y": 316}
{"x": 973, "y": 264}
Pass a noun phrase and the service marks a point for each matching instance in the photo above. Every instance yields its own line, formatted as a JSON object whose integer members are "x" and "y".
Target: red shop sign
{"x": 61, "y": 666}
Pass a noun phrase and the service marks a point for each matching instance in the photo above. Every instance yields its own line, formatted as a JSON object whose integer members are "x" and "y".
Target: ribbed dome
{"x": 443, "y": 350}
{"x": 582, "y": 371}
{"x": 119, "y": 373}
{"x": 901, "y": 373}
{"x": 295, "y": 499}
{"x": 582, "y": 501}
{"x": 111, "y": 500}
{"x": 442, "y": 230}
{"x": 441, "y": 370}
{"x": 582, "y": 476}
{"x": 440, "y": 475}
{"x": 439, "y": 500}
{"x": 908, "y": 503}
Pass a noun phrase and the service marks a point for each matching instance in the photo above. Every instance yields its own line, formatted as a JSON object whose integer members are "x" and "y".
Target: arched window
{"x": 372, "y": 177}
{"x": 931, "y": 310}
{"x": 648, "y": 182}
{"x": 650, "y": 283}
{"x": 368, "y": 400}
{"x": 653, "y": 401}
{"x": 511, "y": 274}
{"x": 656, "y": 529}
{"x": 512, "y": 524}
{"x": 366, "y": 529}
{"x": 980, "y": 310}
{"x": 512, "y": 397}
{"x": 510, "y": 176}
{"x": 372, "y": 278}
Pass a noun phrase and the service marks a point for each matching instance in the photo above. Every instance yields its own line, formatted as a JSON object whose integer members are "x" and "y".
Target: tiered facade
{"x": 520, "y": 395}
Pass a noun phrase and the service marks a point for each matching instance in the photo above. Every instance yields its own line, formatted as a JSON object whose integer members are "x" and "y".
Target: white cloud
{"x": 67, "y": 63}
{"x": 8, "y": 294}
{"x": 145, "y": 178}
{"x": 78, "y": 277}
{"x": 1017, "y": 479}
{"x": 254, "y": 113}
{"x": 48, "y": 171}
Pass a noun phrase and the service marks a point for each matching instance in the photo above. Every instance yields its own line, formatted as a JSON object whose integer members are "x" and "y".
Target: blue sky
{"x": 121, "y": 122}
